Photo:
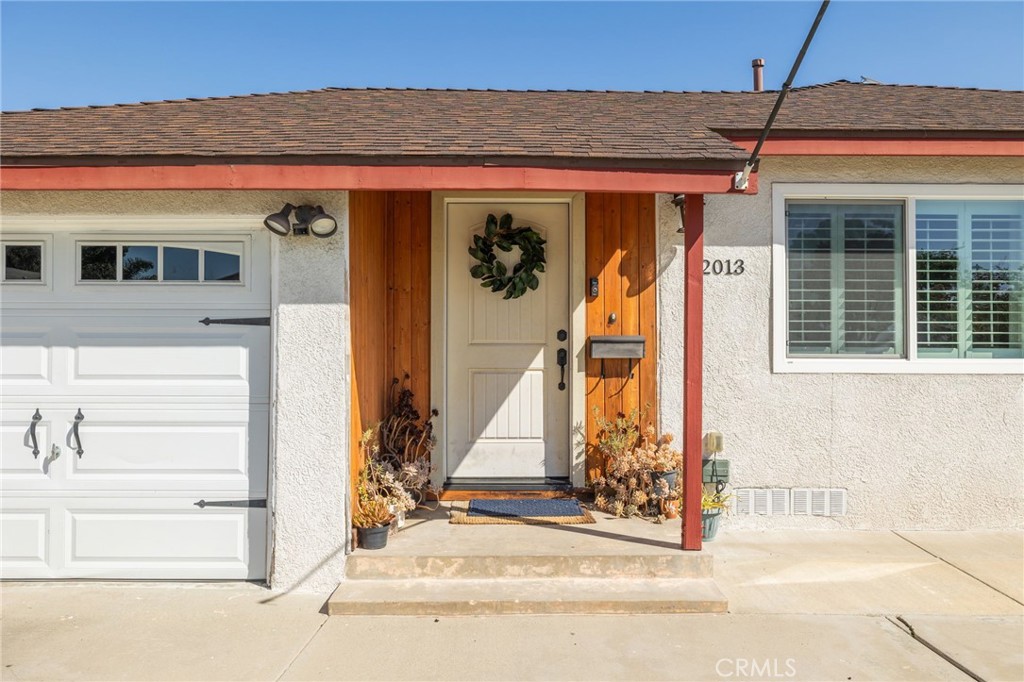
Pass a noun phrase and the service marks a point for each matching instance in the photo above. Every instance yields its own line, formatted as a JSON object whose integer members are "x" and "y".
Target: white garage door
{"x": 133, "y": 438}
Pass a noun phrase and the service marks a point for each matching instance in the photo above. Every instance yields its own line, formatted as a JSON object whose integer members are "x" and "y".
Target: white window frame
{"x": 45, "y": 244}
{"x": 235, "y": 248}
{"x": 909, "y": 194}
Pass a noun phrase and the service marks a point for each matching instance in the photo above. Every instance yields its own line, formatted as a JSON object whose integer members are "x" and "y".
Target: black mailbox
{"x": 632, "y": 347}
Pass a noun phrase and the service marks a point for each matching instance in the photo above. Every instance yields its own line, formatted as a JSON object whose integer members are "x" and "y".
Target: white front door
{"x": 172, "y": 412}
{"x": 507, "y": 413}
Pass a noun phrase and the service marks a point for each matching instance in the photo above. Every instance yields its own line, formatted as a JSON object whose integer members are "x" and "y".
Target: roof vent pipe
{"x": 758, "y": 65}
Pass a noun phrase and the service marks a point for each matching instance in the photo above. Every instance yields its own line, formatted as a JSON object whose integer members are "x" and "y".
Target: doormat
{"x": 520, "y": 512}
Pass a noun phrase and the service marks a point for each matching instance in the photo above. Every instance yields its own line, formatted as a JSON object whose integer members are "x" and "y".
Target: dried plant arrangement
{"x": 372, "y": 514}
{"x": 403, "y": 442}
{"x": 401, "y": 434}
{"x": 635, "y": 461}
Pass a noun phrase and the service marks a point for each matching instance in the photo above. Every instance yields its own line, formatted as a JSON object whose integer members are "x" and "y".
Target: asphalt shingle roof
{"x": 670, "y": 128}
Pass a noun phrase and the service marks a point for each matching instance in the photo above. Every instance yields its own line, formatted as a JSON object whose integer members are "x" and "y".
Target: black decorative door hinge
{"x": 250, "y": 321}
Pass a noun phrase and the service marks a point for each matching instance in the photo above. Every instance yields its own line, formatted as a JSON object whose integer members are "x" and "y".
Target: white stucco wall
{"x": 310, "y": 406}
{"x": 913, "y": 451}
{"x": 313, "y": 367}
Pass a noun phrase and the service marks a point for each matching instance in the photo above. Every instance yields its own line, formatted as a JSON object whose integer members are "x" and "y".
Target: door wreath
{"x": 499, "y": 234}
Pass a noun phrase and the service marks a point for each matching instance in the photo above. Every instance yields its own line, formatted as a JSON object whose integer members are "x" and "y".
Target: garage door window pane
{"x": 23, "y": 262}
{"x": 181, "y": 265}
{"x": 138, "y": 263}
{"x": 222, "y": 267}
{"x": 99, "y": 263}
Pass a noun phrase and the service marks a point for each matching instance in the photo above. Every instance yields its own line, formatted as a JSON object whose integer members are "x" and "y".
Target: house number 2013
{"x": 724, "y": 267}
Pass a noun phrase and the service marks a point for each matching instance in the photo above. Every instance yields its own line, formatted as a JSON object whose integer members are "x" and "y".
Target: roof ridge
{"x": 327, "y": 89}
{"x": 178, "y": 100}
{"x": 936, "y": 87}
{"x": 914, "y": 86}
{"x": 216, "y": 98}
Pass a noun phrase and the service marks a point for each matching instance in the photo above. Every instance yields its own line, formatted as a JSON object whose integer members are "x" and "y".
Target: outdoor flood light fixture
{"x": 679, "y": 200}
{"x": 308, "y": 219}
{"x": 314, "y": 219}
{"x": 278, "y": 223}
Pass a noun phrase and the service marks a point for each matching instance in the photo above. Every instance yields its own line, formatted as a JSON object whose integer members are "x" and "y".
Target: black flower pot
{"x": 654, "y": 504}
{"x": 373, "y": 538}
{"x": 668, "y": 476}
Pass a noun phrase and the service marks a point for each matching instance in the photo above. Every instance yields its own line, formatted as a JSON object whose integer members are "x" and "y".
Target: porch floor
{"x": 433, "y": 567}
{"x": 428, "y": 533}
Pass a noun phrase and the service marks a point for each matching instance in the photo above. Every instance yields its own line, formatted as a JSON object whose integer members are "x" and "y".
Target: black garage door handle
{"x": 36, "y": 418}
{"x": 74, "y": 432}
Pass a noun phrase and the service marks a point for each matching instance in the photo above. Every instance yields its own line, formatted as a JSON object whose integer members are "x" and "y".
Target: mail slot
{"x": 633, "y": 347}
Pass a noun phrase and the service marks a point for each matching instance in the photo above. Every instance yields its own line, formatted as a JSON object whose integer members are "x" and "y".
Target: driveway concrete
{"x": 152, "y": 631}
{"x": 804, "y": 606}
{"x": 990, "y": 647}
{"x": 995, "y": 558}
{"x": 859, "y": 572}
{"x": 711, "y": 647}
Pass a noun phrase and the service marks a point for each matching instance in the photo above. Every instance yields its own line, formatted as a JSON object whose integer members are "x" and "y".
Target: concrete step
{"x": 436, "y": 597}
{"x": 365, "y": 565}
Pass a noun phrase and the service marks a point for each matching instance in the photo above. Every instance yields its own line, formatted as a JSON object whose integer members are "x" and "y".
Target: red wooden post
{"x": 693, "y": 369}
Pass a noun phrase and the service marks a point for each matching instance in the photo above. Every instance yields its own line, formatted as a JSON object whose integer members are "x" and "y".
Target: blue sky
{"x": 78, "y": 53}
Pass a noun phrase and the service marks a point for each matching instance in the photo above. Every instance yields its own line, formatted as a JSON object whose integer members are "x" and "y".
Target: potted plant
{"x": 711, "y": 507}
{"x": 372, "y": 520}
{"x": 403, "y": 442}
{"x": 664, "y": 462}
{"x": 670, "y": 507}
{"x": 640, "y": 467}
{"x": 380, "y": 498}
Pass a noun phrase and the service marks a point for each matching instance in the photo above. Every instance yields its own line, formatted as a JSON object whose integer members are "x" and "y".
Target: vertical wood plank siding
{"x": 390, "y": 275}
{"x": 389, "y": 251}
{"x": 620, "y": 252}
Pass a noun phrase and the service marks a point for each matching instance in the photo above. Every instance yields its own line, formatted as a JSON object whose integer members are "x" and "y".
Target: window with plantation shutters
{"x": 845, "y": 279}
{"x": 970, "y": 279}
{"x": 882, "y": 278}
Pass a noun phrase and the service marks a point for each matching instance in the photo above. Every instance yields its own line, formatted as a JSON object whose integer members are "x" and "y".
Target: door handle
{"x": 36, "y": 418}
{"x": 563, "y": 359}
{"x": 74, "y": 432}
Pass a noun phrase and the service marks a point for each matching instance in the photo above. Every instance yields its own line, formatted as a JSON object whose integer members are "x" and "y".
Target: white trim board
{"x": 170, "y": 223}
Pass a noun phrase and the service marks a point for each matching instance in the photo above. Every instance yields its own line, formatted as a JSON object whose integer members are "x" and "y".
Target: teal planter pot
{"x": 710, "y": 519}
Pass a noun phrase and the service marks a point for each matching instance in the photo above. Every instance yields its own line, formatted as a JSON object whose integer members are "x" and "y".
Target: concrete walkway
{"x": 803, "y": 606}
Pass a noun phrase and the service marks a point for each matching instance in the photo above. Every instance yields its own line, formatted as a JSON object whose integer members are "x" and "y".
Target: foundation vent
{"x": 786, "y": 501}
{"x": 761, "y": 501}
{"x": 819, "y": 502}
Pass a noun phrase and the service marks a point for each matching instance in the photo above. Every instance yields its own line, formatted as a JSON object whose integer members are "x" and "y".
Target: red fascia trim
{"x": 802, "y": 146}
{"x": 288, "y": 177}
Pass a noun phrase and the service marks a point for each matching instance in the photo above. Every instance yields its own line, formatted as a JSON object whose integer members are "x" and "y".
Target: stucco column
{"x": 309, "y": 498}
{"x": 671, "y": 276}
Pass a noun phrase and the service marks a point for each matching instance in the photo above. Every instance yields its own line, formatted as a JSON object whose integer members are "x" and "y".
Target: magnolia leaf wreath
{"x": 499, "y": 234}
